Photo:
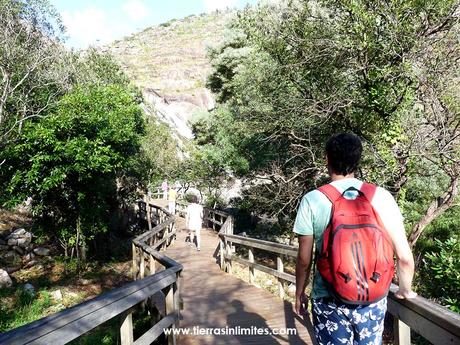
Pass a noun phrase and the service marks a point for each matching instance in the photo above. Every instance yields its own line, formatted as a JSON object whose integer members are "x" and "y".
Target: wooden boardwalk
{"x": 215, "y": 299}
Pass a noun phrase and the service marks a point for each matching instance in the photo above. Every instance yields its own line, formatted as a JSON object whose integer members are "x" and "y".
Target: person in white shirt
{"x": 194, "y": 220}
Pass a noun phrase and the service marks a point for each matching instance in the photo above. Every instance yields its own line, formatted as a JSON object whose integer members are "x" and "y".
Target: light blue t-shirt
{"x": 313, "y": 216}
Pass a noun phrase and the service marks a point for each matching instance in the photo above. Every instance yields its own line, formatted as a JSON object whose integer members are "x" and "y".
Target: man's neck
{"x": 336, "y": 177}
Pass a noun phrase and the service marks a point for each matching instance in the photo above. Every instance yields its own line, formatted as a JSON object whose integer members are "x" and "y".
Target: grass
{"x": 18, "y": 307}
{"x": 76, "y": 284}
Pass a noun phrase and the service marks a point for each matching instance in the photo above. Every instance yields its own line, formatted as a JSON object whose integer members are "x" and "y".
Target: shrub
{"x": 76, "y": 162}
{"x": 442, "y": 270}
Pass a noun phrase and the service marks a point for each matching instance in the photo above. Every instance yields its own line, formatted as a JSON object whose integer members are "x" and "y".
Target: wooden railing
{"x": 150, "y": 290}
{"x": 156, "y": 193}
{"x": 432, "y": 321}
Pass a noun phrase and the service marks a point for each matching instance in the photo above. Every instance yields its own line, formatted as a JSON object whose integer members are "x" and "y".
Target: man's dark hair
{"x": 344, "y": 153}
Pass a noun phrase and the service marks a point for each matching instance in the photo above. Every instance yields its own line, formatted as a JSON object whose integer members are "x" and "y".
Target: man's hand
{"x": 405, "y": 294}
{"x": 301, "y": 305}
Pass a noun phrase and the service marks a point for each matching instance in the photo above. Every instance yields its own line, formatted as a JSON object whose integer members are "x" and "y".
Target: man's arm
{"x": 394, "y": 224}
{"x": 302, "y": 271}
{"x": 405, "y": 265}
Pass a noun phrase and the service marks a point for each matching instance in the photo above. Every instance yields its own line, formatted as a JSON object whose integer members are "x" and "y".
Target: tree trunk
{"x": 436, "y": 208}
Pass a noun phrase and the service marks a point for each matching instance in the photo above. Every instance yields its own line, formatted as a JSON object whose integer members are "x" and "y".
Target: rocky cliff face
{"x": 169, "y": 63}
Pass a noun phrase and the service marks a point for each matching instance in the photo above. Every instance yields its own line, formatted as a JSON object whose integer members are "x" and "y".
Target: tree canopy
{"x": 292, "y": 74}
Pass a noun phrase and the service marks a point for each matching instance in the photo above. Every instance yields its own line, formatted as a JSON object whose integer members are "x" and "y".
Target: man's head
{"x": 343, "y": 153}
{"x": 194, "y": 199}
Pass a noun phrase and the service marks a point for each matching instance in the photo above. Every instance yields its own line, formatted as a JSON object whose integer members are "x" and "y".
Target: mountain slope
{"x": 169, "y": 63}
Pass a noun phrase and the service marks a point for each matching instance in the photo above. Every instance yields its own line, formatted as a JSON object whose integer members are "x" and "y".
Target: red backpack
{"x": 356, "y": 258}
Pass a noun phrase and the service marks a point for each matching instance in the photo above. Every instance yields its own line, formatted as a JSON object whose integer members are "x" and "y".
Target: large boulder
{"x": 29, "y": 288}
{"x": 12, "y": 241}
{"x": 17, "y": 233}
{"x": 19, "y": 250}
{"x": 25, "y": 241}
{"x": 19, "y": 237}
{"x": 11, "y": 257}
{"x": 41, "y": 251}
{"x": 29, "y": 256}
{"x": 5, "y": 280}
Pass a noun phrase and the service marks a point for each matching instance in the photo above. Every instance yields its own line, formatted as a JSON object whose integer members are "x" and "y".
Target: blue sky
{"x": 101, "y": 21}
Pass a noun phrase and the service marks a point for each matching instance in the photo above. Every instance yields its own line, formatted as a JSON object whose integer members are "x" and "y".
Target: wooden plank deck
{"x": 215, "y": 299}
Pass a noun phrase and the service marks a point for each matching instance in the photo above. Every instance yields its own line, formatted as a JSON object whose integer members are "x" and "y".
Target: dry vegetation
{"x": 171, "y": 57}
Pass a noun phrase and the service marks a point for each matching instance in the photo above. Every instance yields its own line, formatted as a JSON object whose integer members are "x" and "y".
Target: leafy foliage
{"x": 160, "y": 150}
{"x": 442, "y": 270}
{"x": 296, "y": 72}
{"x": 32, "y": 70}
{"x": 71, "y": 161}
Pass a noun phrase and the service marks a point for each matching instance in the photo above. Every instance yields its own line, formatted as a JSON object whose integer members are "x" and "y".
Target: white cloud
{"x": 211, "y": 5}
{"x": 136, "y": 10}
{"x": 88, "y": 26}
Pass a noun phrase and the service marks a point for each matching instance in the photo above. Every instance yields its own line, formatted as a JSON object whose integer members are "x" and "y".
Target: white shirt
{"x": 194, "y": 217}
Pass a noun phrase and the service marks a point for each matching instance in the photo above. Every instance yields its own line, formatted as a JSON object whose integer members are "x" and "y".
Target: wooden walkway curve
{"x": 215, "y": 299}
{"x": 212, "y": 300}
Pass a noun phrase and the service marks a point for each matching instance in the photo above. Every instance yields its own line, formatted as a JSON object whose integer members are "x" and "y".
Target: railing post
{"x": 169, "y": 308}
{"x": 152, "y": 265}
{"x": 148, "y": 215}
{"x": 230, "y": 227}
{"x": 126, "y": 330}
{"x": 142, "y": 264}
{"x": 229, "y": 260}
{"x": 177, "y": 298}
{"x": 280, "y": 268}
{"x": 134, "y": 261}
{"x": 221, "y": 253}
{"x": 401, "y": 332}
{"x": 251, "y": 269}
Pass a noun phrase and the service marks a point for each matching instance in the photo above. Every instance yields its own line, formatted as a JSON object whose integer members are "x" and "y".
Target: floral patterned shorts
{"x": 337, "y": 323}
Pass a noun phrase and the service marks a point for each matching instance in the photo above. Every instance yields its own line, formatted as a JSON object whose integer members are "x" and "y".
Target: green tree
{"x": 161, "y": 151}
{"x": 73, "y": 162}
{"x": 33, "y": 74}
{"x": 311, "y": 69}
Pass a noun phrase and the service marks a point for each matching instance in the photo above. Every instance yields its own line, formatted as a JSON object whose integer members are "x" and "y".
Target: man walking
{"x": 194, "y": 221}
{"x": 361, "y": 225}
{"x": 172, "y": 195}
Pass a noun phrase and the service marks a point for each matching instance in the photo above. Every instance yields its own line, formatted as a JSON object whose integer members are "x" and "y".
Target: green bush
{"x": 213, "y": 201}
{"x": 440, "y": 273}
{"x": 73, "y": 162}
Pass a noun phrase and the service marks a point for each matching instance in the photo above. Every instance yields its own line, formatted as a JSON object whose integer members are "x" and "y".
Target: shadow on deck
{"x": 215, "y": 300}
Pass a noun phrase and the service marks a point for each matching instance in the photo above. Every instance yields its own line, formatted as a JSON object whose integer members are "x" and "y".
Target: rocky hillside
{"x": 170, "y": 64}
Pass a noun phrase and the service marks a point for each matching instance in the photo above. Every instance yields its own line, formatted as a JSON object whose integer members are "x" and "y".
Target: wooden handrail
{"x": 432, "y": 321}
{"x": 71, "y": 323}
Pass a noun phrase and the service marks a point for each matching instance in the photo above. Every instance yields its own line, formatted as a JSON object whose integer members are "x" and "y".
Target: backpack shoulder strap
{"x": 368, "y": 190}
{"x": 330, "y": 192}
